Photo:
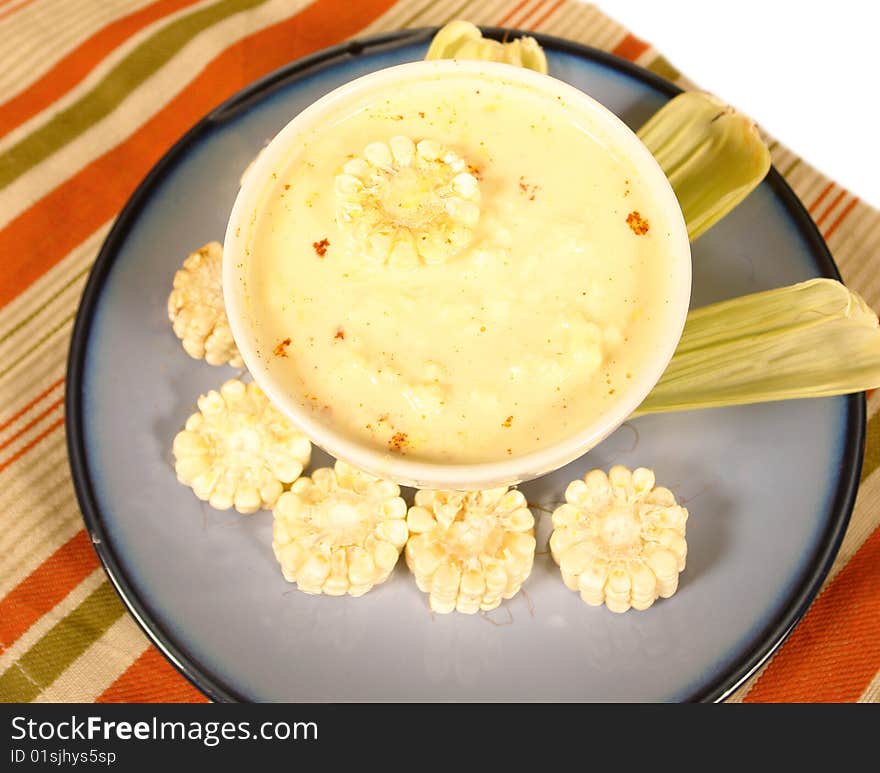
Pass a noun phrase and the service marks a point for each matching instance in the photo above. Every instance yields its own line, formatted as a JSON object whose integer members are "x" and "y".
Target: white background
{"x": 808, "y": 72}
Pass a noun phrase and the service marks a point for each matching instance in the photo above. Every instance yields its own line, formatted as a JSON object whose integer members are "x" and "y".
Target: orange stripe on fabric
{"x": 27, "y": 447}
{"x": 834, "y": 653}
{"x": 71, "y": 69}
{"x": 830, "y": 207}
{"x": 840, "y": 218}
{"x": 18, "y": 414}
{"x": 33, "y": 422}
{"x": 151, "y": 679}
{"x": 10, "y": 11}
{"x": 825, "y": 191}
{"x": 45, "y": 587}
{"x": 630, "y": 47}
{"x": 520, "y": 23}
{"x": 513, "y": 11}
{"x": 41, "y": 235}
{"x": 546, "y": 15}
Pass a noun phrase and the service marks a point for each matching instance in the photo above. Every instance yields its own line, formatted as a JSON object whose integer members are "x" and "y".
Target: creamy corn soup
{"x": 458, "y": 270}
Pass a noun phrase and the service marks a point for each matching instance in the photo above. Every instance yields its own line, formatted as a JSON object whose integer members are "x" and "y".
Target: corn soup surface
{"x": 460, "y": 270}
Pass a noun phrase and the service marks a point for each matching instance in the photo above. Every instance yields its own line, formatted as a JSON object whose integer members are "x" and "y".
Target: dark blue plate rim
{"x": 754, "y": 655}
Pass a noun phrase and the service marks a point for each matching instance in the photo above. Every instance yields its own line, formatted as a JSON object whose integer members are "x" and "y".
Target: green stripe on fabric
{"x": 24, "y": 320}
{"x": 791, "y": 167}
{"x": 46, "y": 660}
{"x": 872, "y": 447}
{"x": 457, "y": 12}
{"x": 15, "y": 687}
{"x": 661, "y": 66}
{"x": 418, "y": 13}
{"x": 126, "y": 76}
{"x": 58, "y": 534}
{"x": 450, "y": 15}
{"x": 66, "y": 321}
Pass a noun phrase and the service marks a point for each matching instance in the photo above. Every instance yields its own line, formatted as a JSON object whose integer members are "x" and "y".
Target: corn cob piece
{"x": 811, "y": 339}
{"x": 470, "y": 550}
{"x": 239, "y": 450}
{"x": 339, "y": 532}
{"x": 406, "y": 203}
{"x": 451, "y": 37}
{"x": 196, "y": 309}
{"x": 619, "y": 540}
{"x": 713, "y": 156}
{"x": 462, "y": 40}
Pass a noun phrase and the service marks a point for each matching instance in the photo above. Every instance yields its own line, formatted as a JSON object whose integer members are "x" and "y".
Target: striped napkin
{"x": 92, "y": 93}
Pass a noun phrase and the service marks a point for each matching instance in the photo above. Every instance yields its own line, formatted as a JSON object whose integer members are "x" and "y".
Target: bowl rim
{"x": 422, "y": 473}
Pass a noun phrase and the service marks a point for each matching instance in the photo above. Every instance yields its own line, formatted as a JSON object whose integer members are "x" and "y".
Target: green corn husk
{"x": 812, "y": 339}
{"x": 462, "y": 40}
{"x": 713, "y": 156}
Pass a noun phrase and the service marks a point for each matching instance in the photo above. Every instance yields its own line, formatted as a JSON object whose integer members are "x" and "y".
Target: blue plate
{"x": 769, "y": 487}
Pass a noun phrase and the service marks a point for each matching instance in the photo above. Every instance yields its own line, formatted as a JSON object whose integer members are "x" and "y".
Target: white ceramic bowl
{"x": 408, "y": 471}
